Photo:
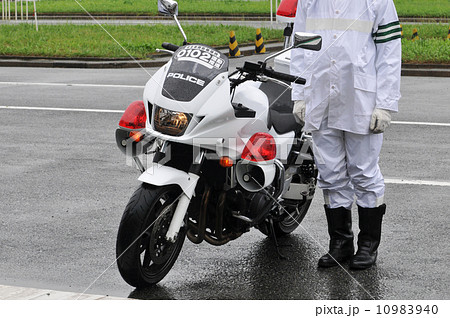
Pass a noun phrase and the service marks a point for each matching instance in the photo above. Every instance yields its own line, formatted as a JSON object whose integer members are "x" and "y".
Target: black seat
{"x": 280, "y": 107}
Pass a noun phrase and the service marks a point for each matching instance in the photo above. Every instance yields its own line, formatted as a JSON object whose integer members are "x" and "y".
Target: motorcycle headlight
{"x": 171, "y": 122}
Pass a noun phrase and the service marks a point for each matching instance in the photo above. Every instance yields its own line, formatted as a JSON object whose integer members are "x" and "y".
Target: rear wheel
{"x": 144, "y": 256}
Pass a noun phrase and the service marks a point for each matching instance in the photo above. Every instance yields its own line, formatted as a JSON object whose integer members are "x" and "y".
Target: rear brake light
{"x": 134, "y": 116}
{"x": 260, "y": 147}
{"x": 287, "y": 8}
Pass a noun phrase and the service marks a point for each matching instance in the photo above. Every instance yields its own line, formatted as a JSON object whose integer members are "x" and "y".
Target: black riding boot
{"x": 369, "y": 236}
{"x": 341, "y": 237}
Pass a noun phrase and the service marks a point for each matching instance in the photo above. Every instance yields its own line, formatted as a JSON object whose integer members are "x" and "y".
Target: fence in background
{"x": 7, "y": 7}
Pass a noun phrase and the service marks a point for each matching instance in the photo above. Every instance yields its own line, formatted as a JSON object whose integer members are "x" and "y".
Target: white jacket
{"x": 357, "y": 69}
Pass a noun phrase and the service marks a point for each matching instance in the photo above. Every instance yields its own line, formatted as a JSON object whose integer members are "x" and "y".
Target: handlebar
{"x": 258, "y": 69}
{"x": 284, "y": 77}
{"x": 170, "y": 46}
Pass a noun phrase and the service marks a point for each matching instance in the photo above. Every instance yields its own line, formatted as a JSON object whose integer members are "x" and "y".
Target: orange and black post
{"x": 233, "y": 46}
{"x": 259, "y": 42}
{"x": 415, "y": 35}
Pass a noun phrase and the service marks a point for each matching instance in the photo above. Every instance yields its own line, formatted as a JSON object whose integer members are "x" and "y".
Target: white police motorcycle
{"x": 219, "y": 154}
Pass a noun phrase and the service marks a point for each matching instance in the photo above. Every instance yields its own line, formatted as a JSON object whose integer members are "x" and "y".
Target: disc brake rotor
{"x": 160, "y": 249}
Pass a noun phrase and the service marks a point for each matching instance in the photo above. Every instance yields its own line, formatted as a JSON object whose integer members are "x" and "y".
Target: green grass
{"x": 142, "y": 40}
{"x": 423, "y": 8}
{"x": 432, "y": 46}
{"x": 150, "y": 7}
{"x": 91, "y": 41}
{"x": 416, "y": 8}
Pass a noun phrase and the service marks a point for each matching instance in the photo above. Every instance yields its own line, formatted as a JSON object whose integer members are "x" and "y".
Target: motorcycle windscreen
{"x": 193, "y": 67}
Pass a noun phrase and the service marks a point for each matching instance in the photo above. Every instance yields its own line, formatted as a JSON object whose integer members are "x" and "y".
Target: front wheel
{"x": 144, "y": 256}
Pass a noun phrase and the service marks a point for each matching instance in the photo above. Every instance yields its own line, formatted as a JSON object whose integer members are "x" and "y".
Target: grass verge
{"x": 423, "y": 8}
{"x": 149, "y": 7}
{"x": 432, "y": 46}
{"x": 411, "y": 8}
{"x": 91, "y": 41}
{"x": 142, "y": 40}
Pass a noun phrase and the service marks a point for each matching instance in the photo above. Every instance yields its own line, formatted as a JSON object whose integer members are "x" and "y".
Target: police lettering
{"x": 188, "y": 78}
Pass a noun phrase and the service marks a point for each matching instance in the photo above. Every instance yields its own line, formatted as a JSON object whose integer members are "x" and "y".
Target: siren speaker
{"x": 254, "y": 177}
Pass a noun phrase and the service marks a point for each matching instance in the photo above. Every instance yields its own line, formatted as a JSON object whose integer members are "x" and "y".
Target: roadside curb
{"x": 24, "y": 293}
{"x": 424, "y": 70}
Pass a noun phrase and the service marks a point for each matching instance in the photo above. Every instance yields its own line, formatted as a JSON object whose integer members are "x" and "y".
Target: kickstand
{"x": 274, "y": 237}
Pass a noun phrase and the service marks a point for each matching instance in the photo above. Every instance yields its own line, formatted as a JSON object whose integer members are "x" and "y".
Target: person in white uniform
{"x": 352, "y": 86}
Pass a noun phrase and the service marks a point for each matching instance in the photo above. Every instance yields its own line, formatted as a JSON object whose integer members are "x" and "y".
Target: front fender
{"x": 159, "y": 175}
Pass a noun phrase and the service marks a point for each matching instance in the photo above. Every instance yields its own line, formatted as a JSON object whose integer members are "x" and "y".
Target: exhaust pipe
{"x": 254, "y": 177}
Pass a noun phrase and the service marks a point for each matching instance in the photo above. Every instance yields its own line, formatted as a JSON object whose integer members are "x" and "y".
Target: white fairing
{"x": 214, "y": 125}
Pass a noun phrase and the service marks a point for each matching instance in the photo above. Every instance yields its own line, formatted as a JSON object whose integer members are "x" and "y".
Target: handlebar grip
{"x": 284, "y": 77}
{"x": 170, "y": 46}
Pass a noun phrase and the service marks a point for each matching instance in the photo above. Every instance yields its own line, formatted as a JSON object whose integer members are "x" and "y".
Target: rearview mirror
{"x": 168, "y": 7}
{"x": 307, "y": 41}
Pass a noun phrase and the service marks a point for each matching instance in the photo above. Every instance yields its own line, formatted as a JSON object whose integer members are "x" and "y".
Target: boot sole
{"x": 360, "y": 267}
{"x": 334, "y": 263}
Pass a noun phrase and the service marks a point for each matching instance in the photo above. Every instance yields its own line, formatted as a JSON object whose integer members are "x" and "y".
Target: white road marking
{"x": 387, "y": 180}
{"x": 419, "y": 123}
{"x": 69, "y": 84}
{"x": 121, "y": 111}
{"x": 64, "y": 109}
{"x": 418, "y": 182}
{"x": 25, "y": 293}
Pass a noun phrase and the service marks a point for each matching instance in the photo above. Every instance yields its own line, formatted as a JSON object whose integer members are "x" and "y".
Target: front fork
{"x": 159, "y": 175}
{"x": 178, "y": 217}
{"x": 185, "y": 199}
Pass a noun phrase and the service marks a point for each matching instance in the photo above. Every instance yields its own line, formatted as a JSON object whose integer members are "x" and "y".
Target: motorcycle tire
{"x": 290, "y": 219}
{"x": 144, "y": 256}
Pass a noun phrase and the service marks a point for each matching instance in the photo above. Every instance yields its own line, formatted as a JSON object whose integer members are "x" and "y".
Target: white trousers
{"x": 348, "y": 167}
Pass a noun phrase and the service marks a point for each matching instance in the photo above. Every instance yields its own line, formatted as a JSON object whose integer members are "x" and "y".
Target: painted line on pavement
{"x": 69, "y": 84}
{"x": 419, "y": 123}
{"x": 393, "y": 181}
{"x": 121, "y": 111}
{"x": 25, "y": 293}
{"x": 89, "y": 110}
{"x": 417, "y": 182}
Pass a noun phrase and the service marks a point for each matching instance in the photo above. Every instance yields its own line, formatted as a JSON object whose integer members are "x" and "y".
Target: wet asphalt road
{"x": 64, "y": 185}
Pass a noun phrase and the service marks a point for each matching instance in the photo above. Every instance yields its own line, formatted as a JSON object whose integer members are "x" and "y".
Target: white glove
{"x": 299, "y": 111}
{"x": 381, "y": 119}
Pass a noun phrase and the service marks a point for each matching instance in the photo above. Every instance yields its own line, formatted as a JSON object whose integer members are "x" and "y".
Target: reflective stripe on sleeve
{"x": 388, "y": 32}
{"x": 339, "y": 24}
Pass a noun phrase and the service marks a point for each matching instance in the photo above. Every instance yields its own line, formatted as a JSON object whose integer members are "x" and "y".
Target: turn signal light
{"x": 136, "y": 135}
{"x": 134, "y": 116}
{"x": 226, "y": 162}
{"x": 260, "y": 147}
